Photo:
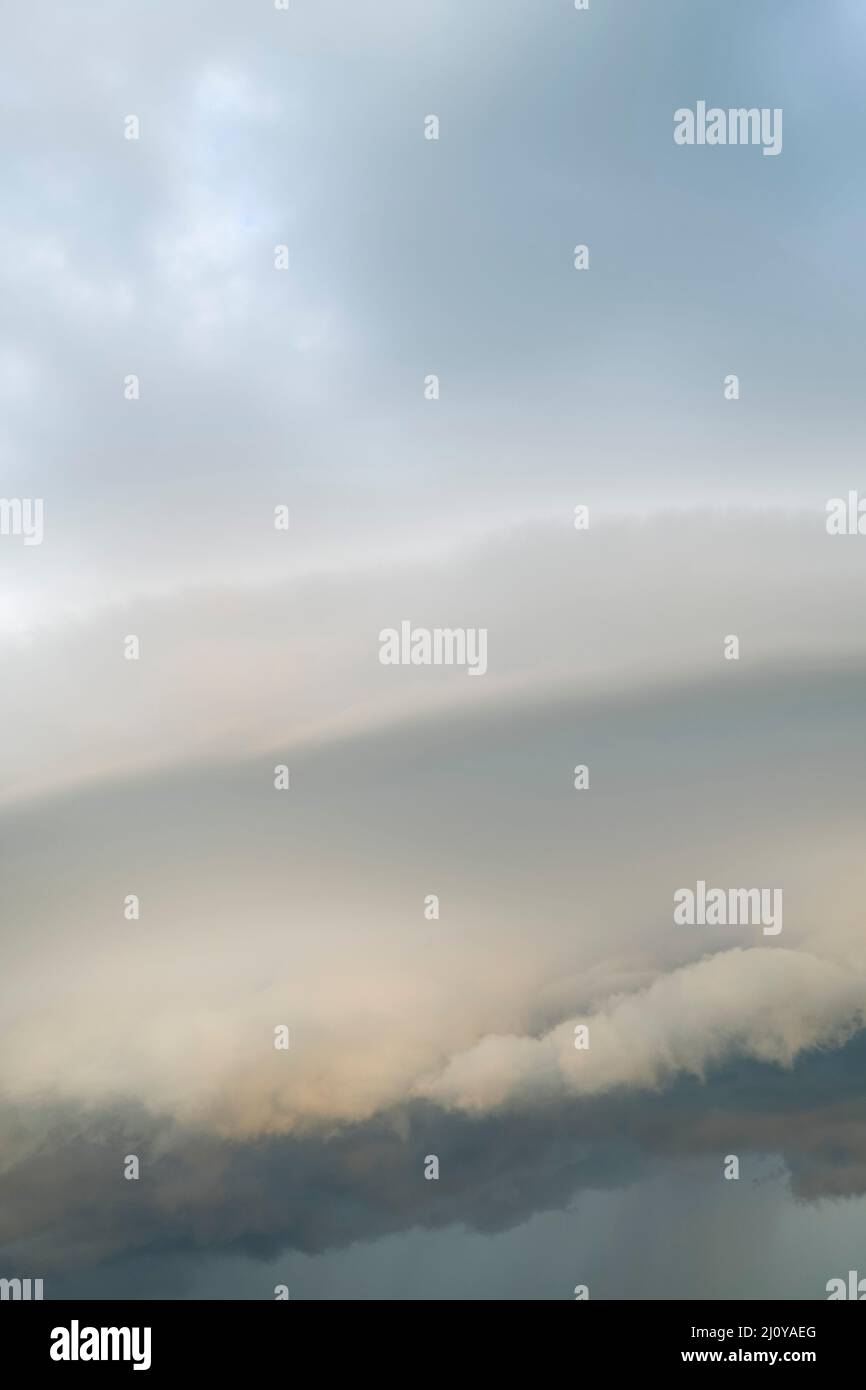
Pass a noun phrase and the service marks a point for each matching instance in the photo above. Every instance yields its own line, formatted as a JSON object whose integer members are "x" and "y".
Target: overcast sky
{"x": 260, "y": 387}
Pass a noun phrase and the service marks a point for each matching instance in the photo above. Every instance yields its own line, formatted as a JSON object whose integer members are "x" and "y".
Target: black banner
{"x": 161, "y": 1338}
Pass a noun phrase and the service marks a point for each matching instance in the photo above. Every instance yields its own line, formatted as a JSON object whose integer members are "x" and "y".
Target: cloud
{"x": 234, "y": 668}
{"x": 155, "y": 257}
{"x": 66, "y": 1209}
{"x": 259, "y": 909}
{"x": 765, "y": 1004}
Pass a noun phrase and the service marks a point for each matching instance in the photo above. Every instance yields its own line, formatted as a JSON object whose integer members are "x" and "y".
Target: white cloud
{"x": 769, "y": 1005}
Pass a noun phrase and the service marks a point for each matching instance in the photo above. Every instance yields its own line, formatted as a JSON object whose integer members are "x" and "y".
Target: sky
{"x": 417, "y": 1037}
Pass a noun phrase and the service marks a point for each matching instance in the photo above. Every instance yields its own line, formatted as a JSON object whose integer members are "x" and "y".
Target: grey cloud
{"x": 155, "y": 257}
{"x": 178, "y": 1011}
{"x": 231, "y": 669}
{"x": 68, "y": 1210}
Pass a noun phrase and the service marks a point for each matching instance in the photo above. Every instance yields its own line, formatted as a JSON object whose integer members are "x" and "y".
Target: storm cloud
{"x": 410, "y": 1034}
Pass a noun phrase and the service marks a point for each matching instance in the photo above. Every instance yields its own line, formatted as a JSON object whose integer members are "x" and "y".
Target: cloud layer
{"x": 411, "y": 1036}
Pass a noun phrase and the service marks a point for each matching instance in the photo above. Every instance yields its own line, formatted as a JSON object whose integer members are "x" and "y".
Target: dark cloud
{"x": 68, "y": 1211}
